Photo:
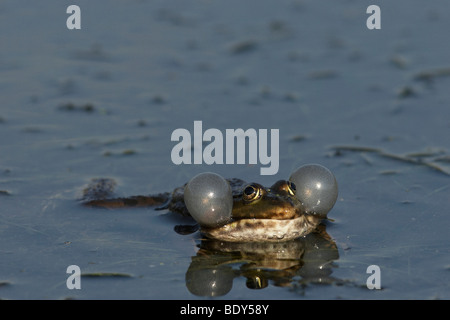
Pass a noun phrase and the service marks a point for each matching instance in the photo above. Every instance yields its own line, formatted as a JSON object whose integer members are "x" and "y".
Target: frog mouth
{"x": 263, "y": 230}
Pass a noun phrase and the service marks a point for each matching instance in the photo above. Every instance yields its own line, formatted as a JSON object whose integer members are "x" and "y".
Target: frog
{"x": 287, "y": 210}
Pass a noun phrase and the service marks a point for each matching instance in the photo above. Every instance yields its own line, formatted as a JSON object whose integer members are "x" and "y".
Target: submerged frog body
{"x": 258, "y": 213}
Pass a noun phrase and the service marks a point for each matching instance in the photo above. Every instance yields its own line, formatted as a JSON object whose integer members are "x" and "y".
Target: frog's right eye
{"x": 251, "y": 192}
{"x": 292, "y": 188}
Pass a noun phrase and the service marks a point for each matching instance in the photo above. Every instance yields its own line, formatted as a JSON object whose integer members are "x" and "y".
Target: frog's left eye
{"x": 291, "y": 188}
{"x": 251, "y": 192}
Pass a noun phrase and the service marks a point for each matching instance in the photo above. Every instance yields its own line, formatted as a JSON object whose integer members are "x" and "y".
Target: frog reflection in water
{"x": 294, "y": 264}
{"x": 278, "y": 213}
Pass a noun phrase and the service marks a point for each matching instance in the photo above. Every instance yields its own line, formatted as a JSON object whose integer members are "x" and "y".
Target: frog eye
{"x": 251, "y": 193}
{"x": 291, "y": 188}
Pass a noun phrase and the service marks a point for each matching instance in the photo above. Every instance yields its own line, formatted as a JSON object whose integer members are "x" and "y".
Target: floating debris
{"x": 88, "y": 107}
{"x": 277, "y": 26}
{"x": 404, "y": 158}
{"x": 106, "y": 275}
{"x": 158, "y": 99}
{"x": 127, "y": 152}
{"x": 355, "y": 148}
{"x": 94, "y": 53}
{"x": 430, "y": 75}
{"x": 445, "y": 159}
{"x": 243, "y": 47}
{"x": 290, "y": 97}
{"x": 297, "y": 138}
{"x": 426, "y": 153}
{"x": 407, "y": 92}
{"x": 142, "y": 123}
{"x": 399, "y": 61}
{"x": 388, "y": 172}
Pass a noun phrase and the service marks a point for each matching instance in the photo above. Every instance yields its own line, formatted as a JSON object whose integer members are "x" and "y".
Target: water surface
{"x": 372, "y": 106}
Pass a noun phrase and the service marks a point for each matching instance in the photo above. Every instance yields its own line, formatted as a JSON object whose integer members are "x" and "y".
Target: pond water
{"x": 103, "y": 101}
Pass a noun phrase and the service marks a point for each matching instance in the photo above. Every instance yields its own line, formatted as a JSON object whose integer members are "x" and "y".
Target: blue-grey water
{"x": 371, "y": 105}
